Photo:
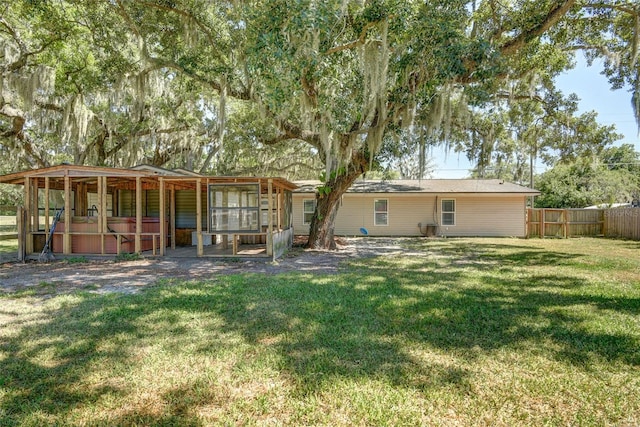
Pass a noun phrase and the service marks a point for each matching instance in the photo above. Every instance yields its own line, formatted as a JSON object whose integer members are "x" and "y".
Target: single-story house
{"x": 429, "y": 207}
{"x": 100, "y": 211}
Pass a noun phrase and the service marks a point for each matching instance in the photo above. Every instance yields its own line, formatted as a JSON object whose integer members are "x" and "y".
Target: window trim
{"x": 375, "y": 213}
{"x": 442, "y": 212}
{"x": 305, "y": 212}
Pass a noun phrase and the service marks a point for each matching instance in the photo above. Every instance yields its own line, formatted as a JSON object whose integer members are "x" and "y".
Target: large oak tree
{"x": 339, "y": 76}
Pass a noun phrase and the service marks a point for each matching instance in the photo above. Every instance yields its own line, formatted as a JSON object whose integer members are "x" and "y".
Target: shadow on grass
{"x": 8, "y": 252}
{"x": 630, "y": 244}
{"x": 490, "y": 256}
{"x": 381, "y": 323}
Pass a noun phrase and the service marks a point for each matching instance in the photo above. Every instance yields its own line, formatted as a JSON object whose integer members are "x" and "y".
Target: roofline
{"x": 76, "y": 171}
{"x": 436, "y": 193}
{"x": 282, "y": 182}
{"x": 62, "y": 170}
{"x": 361, "y": 187}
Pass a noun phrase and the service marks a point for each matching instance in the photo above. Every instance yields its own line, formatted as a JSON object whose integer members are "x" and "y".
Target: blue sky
{"x": 613, "y": 107}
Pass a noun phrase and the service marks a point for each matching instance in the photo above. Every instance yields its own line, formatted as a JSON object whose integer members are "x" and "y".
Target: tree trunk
{"x": 323, "y": 221}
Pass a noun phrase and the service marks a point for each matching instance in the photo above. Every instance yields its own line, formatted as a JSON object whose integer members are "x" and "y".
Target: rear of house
{"x": 423, "y": 208}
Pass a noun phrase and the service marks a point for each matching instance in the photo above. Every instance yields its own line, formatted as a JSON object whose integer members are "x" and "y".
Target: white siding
{"x": 476, "y": 215}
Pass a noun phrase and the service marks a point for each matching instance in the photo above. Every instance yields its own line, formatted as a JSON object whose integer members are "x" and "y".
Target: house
{"x": 101, "y": 211}
{"x": 443, "y": 207}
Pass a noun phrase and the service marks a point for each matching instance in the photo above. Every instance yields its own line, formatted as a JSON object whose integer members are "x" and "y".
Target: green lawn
{"x": 9, "y": 247}
{"x": 453, "y": 332}
{"x": 8, "y": 224}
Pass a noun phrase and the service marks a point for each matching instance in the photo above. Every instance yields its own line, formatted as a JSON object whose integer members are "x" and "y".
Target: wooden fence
{"x": 623, "y": 223}
{"x": 619, "y": 222}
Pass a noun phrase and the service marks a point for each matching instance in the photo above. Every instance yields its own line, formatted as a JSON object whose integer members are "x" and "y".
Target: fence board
{"x": 624, "y": 222}
{"x": 618, "y": 222}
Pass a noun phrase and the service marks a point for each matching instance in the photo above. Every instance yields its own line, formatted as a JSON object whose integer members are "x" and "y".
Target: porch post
{"x": 36, "y": 212}
{"x": 28, "y": 244}
{"x": 163, "y": 232}
{"x": 279, "y": 207}
{"x": 138, "y": 245}
{"x": 103, "y": 212}
{"x": 81, "y": 201}
{"x": 100, "y": 228}
{"x": 47, "y": 219}
{"x": 270, "y": 218}
{"x": 172, "y": 213}
{"x": 199, "y": 216}
{"x": 66, "y": 238}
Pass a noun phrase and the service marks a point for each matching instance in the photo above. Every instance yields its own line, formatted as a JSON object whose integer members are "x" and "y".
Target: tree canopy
{"x": 115, "y": 82}
{"x": 611, "y": 176}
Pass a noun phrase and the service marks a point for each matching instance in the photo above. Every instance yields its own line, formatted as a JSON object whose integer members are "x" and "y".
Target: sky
{"x": 613, "y": 107}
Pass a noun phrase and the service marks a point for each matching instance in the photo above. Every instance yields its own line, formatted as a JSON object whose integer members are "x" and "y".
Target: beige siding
{"x": 476, "y": 215}
{"x": 356, "y": 211}
{"x": 488, "y": 216}
{"x": 298, "y": 213}
{"x": 404, "y": 214}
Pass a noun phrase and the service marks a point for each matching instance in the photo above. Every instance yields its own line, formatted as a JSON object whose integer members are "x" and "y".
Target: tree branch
{"x": 289, "y": 132}
{"x": 554, "y": 15}
{"x": 242, "y": 95}
{"x": 506, "y": 95}
{"x": 621, "y": 7}
{"x": 355, "y": 43}
{"x": 205, "y": 29}
{"x": 17, "y": 131}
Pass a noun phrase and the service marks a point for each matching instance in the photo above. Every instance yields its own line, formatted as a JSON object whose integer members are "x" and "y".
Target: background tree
{"x": 609, "y": 177}
{"x": 405, "y": 154}
{"x": 545, "y": 127}
{"x": 68, "y": 95}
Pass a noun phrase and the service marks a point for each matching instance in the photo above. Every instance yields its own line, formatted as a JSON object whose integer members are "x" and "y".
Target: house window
{"x": 448, "y": 212}
{"x": 381, "y": 212}
{"x": 308, "y": 208}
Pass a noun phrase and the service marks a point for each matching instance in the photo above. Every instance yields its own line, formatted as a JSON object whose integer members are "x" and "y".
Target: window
{"x": 381, "y": 212}
{"x": 448, "y": 212}
{"x": 233, "y": 207}
{"x": 308, "y": 208}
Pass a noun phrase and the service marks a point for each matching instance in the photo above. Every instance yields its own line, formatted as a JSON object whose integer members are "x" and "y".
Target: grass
{"x": 8, "y": 223}
{"x": 81, "y": 259}
{"x": 9, "y": 247}
{"x": 124, "y": 257}
{"x": 452, "y": 332}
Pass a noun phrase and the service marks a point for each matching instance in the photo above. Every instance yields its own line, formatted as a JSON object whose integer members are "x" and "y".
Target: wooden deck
{"x": 244, "y": 251}
{"x": 257, "y": 252}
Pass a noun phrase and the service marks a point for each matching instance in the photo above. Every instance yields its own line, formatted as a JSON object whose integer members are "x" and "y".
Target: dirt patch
{"x": 131, "y": 276}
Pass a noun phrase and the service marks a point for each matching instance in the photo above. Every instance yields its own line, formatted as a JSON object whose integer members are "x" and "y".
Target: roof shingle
{"x": 428, "y": 186}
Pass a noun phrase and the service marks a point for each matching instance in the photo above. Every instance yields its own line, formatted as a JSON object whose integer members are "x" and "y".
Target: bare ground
{"x": 131, "y": 276}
